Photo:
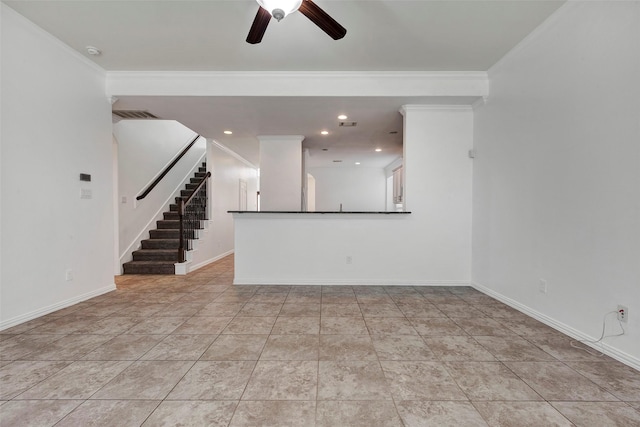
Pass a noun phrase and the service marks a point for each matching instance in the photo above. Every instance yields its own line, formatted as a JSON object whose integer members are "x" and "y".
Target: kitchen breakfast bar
{"x": 320, "y": 248}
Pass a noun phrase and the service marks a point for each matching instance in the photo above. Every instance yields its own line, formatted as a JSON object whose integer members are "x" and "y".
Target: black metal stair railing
{"x": 167, "y": 169}
{"x": 191, "y": 212}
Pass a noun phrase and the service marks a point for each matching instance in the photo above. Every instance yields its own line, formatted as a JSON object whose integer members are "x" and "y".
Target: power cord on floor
{"x": 599, "y": 340}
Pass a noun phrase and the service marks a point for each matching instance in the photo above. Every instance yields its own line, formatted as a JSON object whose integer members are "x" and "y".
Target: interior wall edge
{"x": 5, "y": 324}
{"x": 576, "y": 334}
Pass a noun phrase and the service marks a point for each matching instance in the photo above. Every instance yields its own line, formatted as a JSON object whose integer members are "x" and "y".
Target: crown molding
{"x": 304, "y": 83}
{"x": 232, "y": 153}
{"x": 406, "y": 108}
{"x": 280, "y": 138}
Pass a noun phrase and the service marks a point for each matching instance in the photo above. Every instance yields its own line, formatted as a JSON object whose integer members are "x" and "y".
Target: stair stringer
{"x": 127, "y": 255}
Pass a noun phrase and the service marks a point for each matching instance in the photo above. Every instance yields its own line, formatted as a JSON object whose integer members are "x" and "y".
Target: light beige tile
{"x": 513, "y": 348}
{"x": 338, "y": 298}
{"x": 191, "y": 413}
{"x": 252, "y": 309}
{"x": 26, "y": 326}
{"x": 250, "y": 325}
{"x": 352, "y": 380}
{"x": 303, "y": 298}
{"x": 416, "y": 413}
{"x": 296, "y": 325}
{"x": 347, "y": 347}
{"x": 620, "y": 380}
{"x": 458, "y": 348}
{"x": 274, "y": 413}
{"x": 149, "y": 380}
{"x": 374, "y": 299}
{"x": 213, "y": 380}
{"x": 556, "y": 381}
{"x": 109, "y": 413}
{"x": 597, "y": 414}
{"x": 420, "y": 381}
{"x": 110, "y": 325}
{"x": 124, "y": 347}
{"x": 70, "y": 347}
{"x": 299, "y": 309}
{"x": 483, "y": 326}
{"x": 489, "y": 381}
{"x": 381, "y": 310}
{"x": 20, "y": 345}
{"x": 203, "y": 325}
{"x": 291, "y": 347}
{"x": 518, "y": 414}
{"x": 561, "y": 348}
{"x": 157, "y": 325}
{"x": 79, "y": 380}
{"x": 390, "y": 325}
{"x": 220, "y": 309}
{"x": 343, "y": 326}
{"x": 419, "y": 309}
{"x": 357, "y": 414}
{"x": 341, "y": 310}
{"x": 35, "y": 413}
{"x": 283, "y": 380}
{"x": 401, "y": 347}
{"x": 180, "y": 347}
{"x": 236, "y": 347}
{"x": 431, "y": 327}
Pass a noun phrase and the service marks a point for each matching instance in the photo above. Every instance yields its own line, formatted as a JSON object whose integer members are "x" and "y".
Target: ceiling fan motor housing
{"x": 280, "y": 8}
{"x": 278, "y": 14}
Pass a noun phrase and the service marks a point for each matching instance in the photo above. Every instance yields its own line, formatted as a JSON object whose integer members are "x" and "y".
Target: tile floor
{"x": 198, "y": 351}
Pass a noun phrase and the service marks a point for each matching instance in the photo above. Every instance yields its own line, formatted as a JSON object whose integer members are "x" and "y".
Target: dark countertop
{"x": 322, "y": 212}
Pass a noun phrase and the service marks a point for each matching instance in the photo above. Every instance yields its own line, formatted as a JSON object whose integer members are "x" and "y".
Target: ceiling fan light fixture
{"x": 280, "y": 8}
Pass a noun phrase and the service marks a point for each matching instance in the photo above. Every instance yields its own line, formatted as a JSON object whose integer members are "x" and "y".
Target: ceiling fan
{"x": 281, "y": 8}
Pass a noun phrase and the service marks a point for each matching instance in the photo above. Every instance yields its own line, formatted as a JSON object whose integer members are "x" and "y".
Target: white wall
{"x": 432, "y": 245}
{"x": 357, "y": 189}
{"x": 557, "y": 173}
{"x": 55, "y": 124}
{"x": 281, "y": 173}
{"x": 145, "y": 148}
{"x": 227, "y": 169}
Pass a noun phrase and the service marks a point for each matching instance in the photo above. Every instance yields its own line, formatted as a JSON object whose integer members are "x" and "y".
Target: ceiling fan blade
{"x": 322, "y": 19}
{"x": 259, "y": 26}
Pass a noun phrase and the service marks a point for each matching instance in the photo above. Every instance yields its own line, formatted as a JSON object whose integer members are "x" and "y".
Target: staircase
{"x": 159, "y": 253}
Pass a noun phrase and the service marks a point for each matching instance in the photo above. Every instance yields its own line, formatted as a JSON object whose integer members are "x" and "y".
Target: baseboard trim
{"x": 5, "y": 324}
{"x": 607, "y": 349}
{"x": 209, "y": 261}
{"x": 348, "y": 282}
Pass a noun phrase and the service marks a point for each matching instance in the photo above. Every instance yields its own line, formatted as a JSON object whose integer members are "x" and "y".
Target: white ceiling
{"x": 209, "y": 35}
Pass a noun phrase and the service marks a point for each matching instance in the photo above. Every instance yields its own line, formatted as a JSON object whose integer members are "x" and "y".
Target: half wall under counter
{"x": 332, "y": 248}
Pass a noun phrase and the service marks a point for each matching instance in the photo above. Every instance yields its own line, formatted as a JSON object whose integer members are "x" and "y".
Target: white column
{"x": 281, "y": 172}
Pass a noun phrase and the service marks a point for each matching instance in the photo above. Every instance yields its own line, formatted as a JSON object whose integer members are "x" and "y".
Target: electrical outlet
{"x": 542, "y": 286}
{"x": 349, "y": 260}
{"x": 68, "y": 275}
{"x": 623, "y": 313}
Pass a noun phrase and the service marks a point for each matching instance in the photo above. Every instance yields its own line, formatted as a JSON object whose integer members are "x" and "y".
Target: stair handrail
{"x": 167, "y": 169}
{"x": 182, "y": 206}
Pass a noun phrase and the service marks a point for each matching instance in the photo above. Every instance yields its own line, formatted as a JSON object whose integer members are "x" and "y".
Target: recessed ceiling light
{"x": 357, "y": 163}
{"x": 325, "y": 132}
{"x": 342, "y": 117}
{"x": 378, "y": 149}
{"x": 93, "y": 50}
{"x": 228, "y": 132}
